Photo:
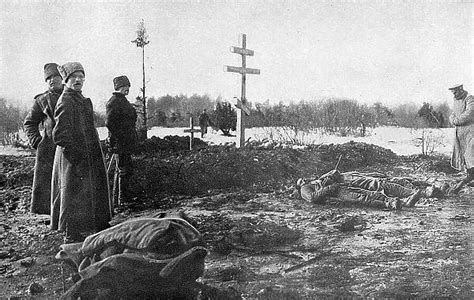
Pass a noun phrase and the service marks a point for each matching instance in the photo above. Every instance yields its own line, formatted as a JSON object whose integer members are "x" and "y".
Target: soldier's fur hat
{"x": 70, "y": 67}
{"x": 50, "y": 69}
{"x": 121, "y": 81}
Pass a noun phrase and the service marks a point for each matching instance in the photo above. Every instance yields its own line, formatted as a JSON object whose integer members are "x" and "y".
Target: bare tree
{"x": 141, "y": 41}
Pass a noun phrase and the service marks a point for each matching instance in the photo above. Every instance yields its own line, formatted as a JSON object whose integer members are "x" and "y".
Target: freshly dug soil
{"x": 263, "y": 242}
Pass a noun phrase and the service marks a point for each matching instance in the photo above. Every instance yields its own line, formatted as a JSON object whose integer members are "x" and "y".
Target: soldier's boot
{"x": 412, "y": 200}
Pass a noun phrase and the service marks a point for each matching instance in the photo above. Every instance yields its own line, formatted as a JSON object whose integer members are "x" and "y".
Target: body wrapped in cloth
{"x": 142, "y": 257}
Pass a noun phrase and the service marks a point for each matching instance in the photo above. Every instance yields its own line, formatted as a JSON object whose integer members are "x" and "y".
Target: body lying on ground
{"x": 367, "y": 189}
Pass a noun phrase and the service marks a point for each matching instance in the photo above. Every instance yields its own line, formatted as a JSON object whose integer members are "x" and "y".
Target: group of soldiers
{"x": 70, "y": 179}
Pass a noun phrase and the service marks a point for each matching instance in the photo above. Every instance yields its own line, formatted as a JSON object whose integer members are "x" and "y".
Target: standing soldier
{"x": 120, "y": 120}
{"x": 79, "y": 190}
{"x": 462, "y": 118}
{"x": 42, "y": 114}
{"x": 204, "y": 121}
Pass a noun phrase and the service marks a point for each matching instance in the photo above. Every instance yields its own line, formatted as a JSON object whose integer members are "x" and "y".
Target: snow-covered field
{"x": 402, "y": 141}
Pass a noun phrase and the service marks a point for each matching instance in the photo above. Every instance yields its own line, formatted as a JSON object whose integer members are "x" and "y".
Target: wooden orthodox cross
{"x": 242, "y": 102}
{"x": 192, "y": 131}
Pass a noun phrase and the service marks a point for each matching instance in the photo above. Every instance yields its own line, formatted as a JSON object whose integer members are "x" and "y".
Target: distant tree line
{"x": 345, "y": 116}
{"x": 334, "y": 115}
{"x": 11, "y": 120}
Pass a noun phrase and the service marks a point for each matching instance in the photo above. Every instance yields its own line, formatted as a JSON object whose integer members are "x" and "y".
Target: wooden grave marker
{"x": 192, "y": 131}
{"x": 241, "y": 104}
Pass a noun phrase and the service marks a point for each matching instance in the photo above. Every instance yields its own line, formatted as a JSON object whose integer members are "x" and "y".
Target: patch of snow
{"x": 402, "y": 141}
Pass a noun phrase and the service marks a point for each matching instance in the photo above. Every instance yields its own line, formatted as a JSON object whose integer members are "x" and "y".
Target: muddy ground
{"x": 263, "y": 242}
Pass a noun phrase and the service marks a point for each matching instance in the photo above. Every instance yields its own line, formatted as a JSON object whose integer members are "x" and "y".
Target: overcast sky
{"x": 388, "y": 51}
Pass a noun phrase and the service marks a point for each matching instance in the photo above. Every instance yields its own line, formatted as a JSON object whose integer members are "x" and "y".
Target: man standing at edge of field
{"x": 42, "y": 115}
{"x": 120, "y": 121}
{"x": 462, "y": 118}
{"x": 204, "y": 122}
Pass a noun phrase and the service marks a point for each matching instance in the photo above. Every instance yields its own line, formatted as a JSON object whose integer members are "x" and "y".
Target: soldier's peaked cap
{"x": 121, "y": 81}
{"x": 50, "y": 69}
{"x": 455, "y": 87}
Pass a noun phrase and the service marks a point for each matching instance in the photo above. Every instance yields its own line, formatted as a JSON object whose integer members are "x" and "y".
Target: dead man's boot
{"x": 412, "y": 200}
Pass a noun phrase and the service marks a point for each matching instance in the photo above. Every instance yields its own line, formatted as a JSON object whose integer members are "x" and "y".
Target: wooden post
{"x": 192, "y": 131}
{"x": 242, "y": 109}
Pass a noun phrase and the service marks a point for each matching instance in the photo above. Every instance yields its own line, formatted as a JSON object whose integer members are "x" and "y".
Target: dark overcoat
{"x": 80, "y": 194}
{"x": 120, "y": 121}
{"x": 41, "y": 117}
{"x": 463, "y": 149}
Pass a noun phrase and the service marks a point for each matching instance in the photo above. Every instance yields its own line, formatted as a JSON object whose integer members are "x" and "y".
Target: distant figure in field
{"x": 80, "y": 193}
{"x": 462, "y": 118}
{"x": 120, "y": 120}
{"x": 367, "y": 189}
{"x": 41, "y": 117}
{"x": 204, "y": 122}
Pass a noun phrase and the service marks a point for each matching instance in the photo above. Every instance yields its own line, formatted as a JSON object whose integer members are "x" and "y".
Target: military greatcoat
{"x": 41, "y": 117}
{"x": 463, "y": 150}
{"x": 80, "y": 196}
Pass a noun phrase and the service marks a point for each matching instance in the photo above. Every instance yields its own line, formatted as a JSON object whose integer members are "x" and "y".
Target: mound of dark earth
{"x": 166, "y": 168}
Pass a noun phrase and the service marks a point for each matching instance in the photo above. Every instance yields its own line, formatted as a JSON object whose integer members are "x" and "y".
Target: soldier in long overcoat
{"x": 462, "y": 118}
{"x": 204, "y": 122}
{"x": 41, "y": 118}
{"x": 80, "y": 196}
{"x": 120, "y": 121}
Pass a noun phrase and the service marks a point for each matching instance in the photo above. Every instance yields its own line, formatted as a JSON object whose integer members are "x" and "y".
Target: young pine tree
{"x": 224, "y": 117}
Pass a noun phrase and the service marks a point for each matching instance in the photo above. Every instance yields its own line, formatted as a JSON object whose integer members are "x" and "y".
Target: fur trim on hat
{"x": 50, "y": 69}
{"x": 121, "y": 81}
{"x": 68, "y": 68}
